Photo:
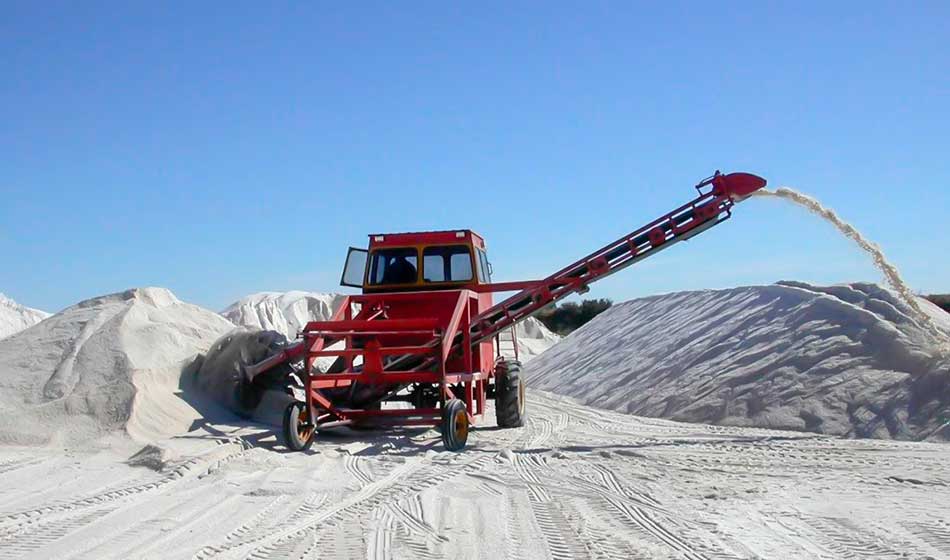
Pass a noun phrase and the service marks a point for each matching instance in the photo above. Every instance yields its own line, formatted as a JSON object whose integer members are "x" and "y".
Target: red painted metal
{"x": 425, "y": 238}
{"x": 442, "y": 336}
{"x": 737, "y": 185}
{"x": 380, "y": 326}
{"x": 505, "y": 286}
{"x": 706, "y": 210}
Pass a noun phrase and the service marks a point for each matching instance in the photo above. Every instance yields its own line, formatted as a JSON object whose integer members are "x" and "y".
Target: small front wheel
{"x": 454, "y": 425}
{"x": 298, "y": 430}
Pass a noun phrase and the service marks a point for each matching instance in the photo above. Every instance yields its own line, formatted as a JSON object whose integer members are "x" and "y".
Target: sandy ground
{"x": 575, "y": 482}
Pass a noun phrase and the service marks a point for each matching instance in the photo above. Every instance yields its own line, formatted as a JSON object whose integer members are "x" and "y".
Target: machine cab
{"x": 424, "y": 261}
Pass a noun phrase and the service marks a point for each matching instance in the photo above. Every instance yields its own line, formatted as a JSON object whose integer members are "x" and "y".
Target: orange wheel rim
{"x": 303, "y": 432}
{"x": 461, "y": 424}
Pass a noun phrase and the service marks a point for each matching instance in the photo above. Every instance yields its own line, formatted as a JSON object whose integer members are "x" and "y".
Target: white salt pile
{"x": 891, "y": 274}
{"x": 15, "y": 317}
{"x": 850, "y": 360}
{"x": 533, "y": 339}
{"x": 105, "y": 365}
{"x": 288, "y": 312}
{"x": 284, "y": 312}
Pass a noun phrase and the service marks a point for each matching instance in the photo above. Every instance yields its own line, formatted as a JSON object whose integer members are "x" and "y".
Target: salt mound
{"x": 890, "y": 272}
{"x": 104, "y": 365}
{"x": 849, "y": 360}
{"x": 15, "y": 317}
{"x": 533, "y": 339}
{"x": 288, "y": 312}
{"x": 284, "y": 312}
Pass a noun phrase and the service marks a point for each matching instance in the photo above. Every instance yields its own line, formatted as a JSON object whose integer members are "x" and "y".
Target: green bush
{"x": 943, "y": 300}
{"x": 565, "y": 318}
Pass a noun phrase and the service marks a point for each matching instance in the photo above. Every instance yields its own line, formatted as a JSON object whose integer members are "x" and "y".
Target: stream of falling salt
{"x": 889, "y": 271}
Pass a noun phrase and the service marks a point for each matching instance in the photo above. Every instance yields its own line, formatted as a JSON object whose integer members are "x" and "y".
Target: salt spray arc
{"x": 888, "y": 270}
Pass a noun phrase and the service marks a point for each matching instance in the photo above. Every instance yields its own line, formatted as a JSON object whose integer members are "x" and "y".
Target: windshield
{"x": 394, "y": 266}
{"x": 452, "y": 263}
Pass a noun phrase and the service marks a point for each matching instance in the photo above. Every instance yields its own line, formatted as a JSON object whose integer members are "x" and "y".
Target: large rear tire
{"x": 298, "y": 430}
{"x": 510, "y": 389}
{"x": 454, "y": 425}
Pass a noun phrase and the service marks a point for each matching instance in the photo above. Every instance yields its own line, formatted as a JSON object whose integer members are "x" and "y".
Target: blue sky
{"x": 219, "y": 149}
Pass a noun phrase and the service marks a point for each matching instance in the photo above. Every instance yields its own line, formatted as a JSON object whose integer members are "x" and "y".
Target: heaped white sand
{"x": 288, "y": 312}
{"x": 847, "y": 360}
{"x": 15, "y": 317}
{"x": 888, "y": 270}
{"x": 533, "y": 339}
{"x": 284, "y": 312}
{"x": 574, "y": 482}
{"x": 108, "y": 364}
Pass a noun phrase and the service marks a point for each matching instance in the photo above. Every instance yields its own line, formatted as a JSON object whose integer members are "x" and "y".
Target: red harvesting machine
{"x": 426, "y": 334}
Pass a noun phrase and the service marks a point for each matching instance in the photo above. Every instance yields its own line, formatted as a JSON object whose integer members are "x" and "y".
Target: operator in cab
{"x": 399, "y": 271}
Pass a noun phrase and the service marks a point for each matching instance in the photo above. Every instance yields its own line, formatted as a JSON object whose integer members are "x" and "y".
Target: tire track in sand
{"x": 381, "y": 537}
{"x": 265, "y": 522}
{"x": 935, "y": 533}
{"x": 413, "y": 531}
{"x": 193, "y": 467}
{"x": 33, "y": 529}
{"x": 547, "y": 514}
{"x": 847, "y": 540}
{"x": 35, "y": 537}
{"x": 138, "y": 525}
{"x": 646, "y": 515}
{"x": 409, "y": 513}
{"x": 640, "y": 511}
{"x": 12, "y": 465}
{"x": 514, "y": 521}
{"x": 354, "y": 466}
{"x": 346, "y": 532}
{"x": 404, "y": 481}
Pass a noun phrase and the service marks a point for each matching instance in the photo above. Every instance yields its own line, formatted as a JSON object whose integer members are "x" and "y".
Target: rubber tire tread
{"x": 509, "y": 412}
{"x": 291, "y": 435}
{"x": 449, "y": 439}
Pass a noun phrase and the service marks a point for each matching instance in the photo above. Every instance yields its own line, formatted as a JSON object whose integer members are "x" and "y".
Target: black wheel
{"x": 298, "y": 431}
{"x": 454, "y": 425}
{"x": 222, "y": 374}
{"x": 509, "y": 394}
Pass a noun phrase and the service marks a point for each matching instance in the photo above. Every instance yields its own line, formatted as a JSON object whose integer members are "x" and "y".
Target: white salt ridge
{"x": 890, "y": 272}
{"x": 15, "y": 317}
{"x": 288, "y": 312}
{"x": 107, "y": 365}
{"x": 533, "y": 339}
{"x": 847, "y": 360}
{"x": 284, "y": 312}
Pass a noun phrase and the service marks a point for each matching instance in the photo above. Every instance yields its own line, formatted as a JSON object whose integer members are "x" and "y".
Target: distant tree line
{"x": 943, "y": 300}
{"x": 566, "y": 318}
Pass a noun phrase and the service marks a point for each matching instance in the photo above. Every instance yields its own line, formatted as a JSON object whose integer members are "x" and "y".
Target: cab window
{"x": 355, "y": 268}
{"x": 481, "y": 263}
{"x": 394, "y": 266}
{"x": 447, "y": 264}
